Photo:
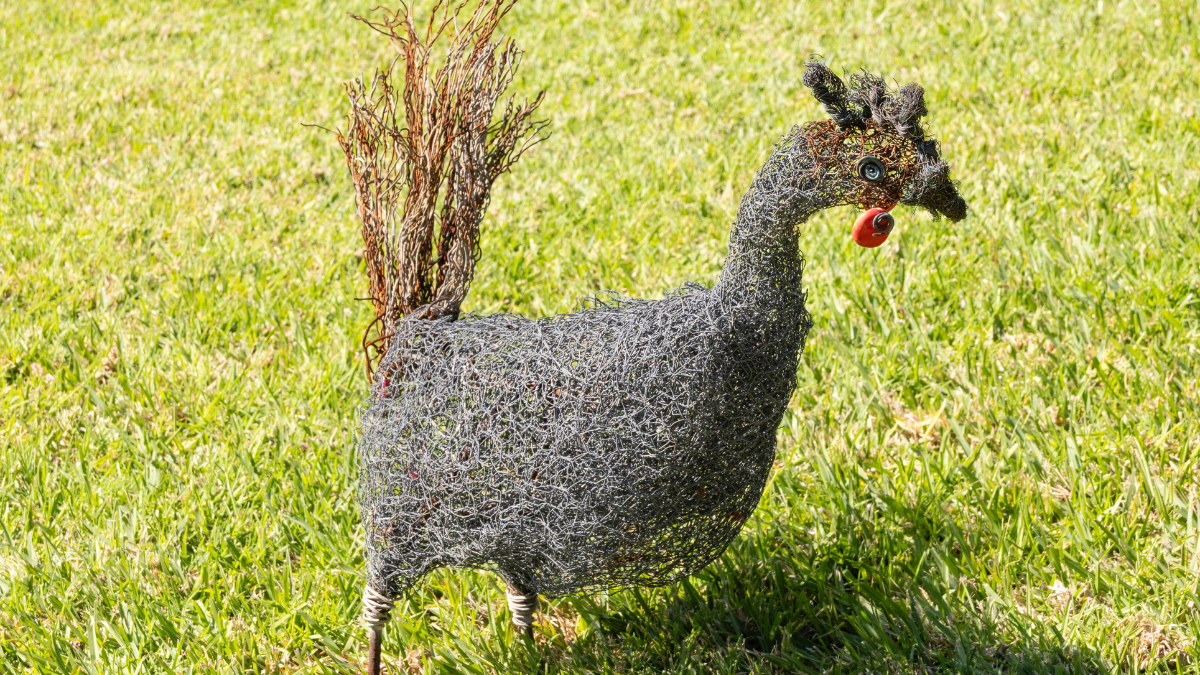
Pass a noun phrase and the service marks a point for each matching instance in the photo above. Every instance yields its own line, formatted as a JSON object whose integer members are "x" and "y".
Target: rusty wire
{"x": 423, "y": 159}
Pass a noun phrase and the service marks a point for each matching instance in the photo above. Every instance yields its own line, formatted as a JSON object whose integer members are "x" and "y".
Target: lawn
{"x": 991, "y": 463}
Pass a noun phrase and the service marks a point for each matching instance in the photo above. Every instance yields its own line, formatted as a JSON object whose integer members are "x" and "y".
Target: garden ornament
{"x": 627, "y": 443}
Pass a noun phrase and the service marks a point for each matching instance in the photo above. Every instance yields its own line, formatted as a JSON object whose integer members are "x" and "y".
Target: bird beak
{"x": 934, "y": 190}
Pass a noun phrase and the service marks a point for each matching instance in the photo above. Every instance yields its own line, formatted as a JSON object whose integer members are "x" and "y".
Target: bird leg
{"x": 377, "y": 611}
{"x": 522, "y": 604}
{"x": 374, "y": 647}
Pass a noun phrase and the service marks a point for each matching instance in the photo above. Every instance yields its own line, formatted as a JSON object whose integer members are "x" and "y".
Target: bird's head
{"x": 873, "y": 153}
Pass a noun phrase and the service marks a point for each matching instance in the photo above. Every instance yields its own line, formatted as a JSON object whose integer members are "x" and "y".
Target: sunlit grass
{"x": 992, "y": 462}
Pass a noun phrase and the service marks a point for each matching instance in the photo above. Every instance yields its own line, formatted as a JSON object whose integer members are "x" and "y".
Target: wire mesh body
{"x": 627, "y": 443}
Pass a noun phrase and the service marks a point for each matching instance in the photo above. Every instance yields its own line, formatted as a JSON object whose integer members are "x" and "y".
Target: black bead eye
{"x": 871, "y": 169}
{"x": 883, "y": 223}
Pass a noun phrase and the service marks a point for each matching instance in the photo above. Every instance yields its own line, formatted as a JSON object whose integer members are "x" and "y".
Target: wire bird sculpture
{"x": 624, "y": 444}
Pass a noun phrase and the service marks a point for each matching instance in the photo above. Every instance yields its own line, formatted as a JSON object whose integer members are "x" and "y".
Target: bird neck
{"x": 764, "y": 265}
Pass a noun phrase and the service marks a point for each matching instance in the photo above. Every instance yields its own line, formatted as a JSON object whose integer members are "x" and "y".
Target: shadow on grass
{"x": 775, "y": 613}
{"x": 777, "y": 602}
{"x": 856, "y": 595}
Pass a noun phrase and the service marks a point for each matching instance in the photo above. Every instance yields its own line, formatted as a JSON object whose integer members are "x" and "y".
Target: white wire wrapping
{"x": 377, "y": 608}
{"x": 522, "y": 606}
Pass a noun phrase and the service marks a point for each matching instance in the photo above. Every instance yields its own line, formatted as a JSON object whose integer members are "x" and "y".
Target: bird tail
{"x": 423, "y": 158}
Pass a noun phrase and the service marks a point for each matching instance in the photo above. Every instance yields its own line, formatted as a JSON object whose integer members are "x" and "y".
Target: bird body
{"x": 623, "y": 444}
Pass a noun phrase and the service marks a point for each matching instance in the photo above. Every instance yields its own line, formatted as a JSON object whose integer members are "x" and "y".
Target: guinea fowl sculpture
{"x": 624, "y": 444}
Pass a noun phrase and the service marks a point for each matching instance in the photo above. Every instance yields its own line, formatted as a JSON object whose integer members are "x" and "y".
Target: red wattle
{"x": 866, "y": 233}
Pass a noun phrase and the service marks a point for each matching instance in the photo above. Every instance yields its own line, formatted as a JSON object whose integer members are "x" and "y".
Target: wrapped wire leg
{"x": 377, "y": 611}
{"x": 522, "y": 604}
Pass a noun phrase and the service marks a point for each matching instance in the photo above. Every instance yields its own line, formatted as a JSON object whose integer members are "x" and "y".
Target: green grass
{"x": 992, "y": 462}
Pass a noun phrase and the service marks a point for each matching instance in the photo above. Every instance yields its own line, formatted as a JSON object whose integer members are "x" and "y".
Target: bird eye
{"x": 883, "y": 223}
{"x": 871, "y": 169}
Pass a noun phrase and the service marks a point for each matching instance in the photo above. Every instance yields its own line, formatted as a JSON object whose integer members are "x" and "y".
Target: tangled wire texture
{"x": 624, "y": 444}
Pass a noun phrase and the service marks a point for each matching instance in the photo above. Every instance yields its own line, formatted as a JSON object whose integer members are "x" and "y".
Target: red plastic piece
{"x": 867, "y": 233}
